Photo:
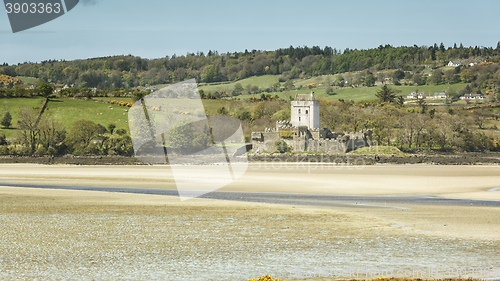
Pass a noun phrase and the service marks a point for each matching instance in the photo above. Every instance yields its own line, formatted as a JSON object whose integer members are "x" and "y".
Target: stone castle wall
{"x": 306, "y": 136}
{"x": 306, "y": 140}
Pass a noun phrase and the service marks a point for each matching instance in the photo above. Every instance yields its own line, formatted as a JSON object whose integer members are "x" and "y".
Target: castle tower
{"x": 305, "y": 111}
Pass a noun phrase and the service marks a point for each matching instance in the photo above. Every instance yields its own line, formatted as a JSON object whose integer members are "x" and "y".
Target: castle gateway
{"x": 303, "y": 133}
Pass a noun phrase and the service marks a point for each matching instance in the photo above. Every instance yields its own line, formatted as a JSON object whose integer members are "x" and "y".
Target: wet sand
{"x": 465, "y": 182}
{"x": 73, "y": 234}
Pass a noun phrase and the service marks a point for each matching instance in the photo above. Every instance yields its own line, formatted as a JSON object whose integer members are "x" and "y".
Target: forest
{"x": 290, "y": 63}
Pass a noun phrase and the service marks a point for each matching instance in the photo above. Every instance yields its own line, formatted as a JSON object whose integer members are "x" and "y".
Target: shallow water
{"x": 74, "y": 246}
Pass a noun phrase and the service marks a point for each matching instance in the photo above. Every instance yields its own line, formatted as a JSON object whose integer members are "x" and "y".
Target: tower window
{"x": 307, "y": 111}
{"x": 299, "y": 118}
{"x": 299, "y": 110}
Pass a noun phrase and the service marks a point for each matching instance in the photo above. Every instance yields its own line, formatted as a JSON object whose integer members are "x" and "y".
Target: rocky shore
{"x": 463, "y": 158}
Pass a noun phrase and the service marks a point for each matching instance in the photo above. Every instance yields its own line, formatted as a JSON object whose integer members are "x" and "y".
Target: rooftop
{"x": 305, "y": 97}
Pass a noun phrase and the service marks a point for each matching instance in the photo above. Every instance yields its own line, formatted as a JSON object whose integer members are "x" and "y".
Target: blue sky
{"x": 153, "y": 29}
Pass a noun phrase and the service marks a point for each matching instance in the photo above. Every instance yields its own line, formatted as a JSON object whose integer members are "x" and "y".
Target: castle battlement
{"x": 284, "y": 125}
{"x": 307, "y": 134}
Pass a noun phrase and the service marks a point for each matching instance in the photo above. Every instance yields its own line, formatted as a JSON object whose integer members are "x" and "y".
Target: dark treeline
{"x": 293, "y": 62}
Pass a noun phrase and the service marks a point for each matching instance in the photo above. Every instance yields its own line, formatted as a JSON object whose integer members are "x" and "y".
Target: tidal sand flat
{"x": 467, "y": 182}
{"x": 91, "y": 235}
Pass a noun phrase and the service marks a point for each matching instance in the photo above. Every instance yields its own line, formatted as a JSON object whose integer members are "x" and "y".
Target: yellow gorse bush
{"x": 6, "y": 80}
{"x": 264, "y": 278}
{"x": 482, "y": 106}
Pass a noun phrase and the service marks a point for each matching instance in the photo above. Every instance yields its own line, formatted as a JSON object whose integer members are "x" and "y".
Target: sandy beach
{"x": 74, "y": 234}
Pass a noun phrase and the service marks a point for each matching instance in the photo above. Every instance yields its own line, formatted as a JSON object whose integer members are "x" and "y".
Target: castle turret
{"x": 305, "y": 111}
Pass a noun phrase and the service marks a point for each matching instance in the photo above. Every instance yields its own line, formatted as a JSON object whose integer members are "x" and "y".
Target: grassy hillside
{"x": 363, "y": 93}
{"x": 67, "y": 111}
{"x": 262, "y": 82}
{"x": 13, "y": 105}
{"x": 28, "y": 80}
{"x": 347, "y": 93}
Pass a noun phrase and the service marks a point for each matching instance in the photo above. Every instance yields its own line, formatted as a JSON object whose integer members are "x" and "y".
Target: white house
{"x": 150, "y": 88}
{"x": 473, "y": 97}
{"x": 415, "y": 95}
{"x": 439, "y": 96}
{"x": 455, "y": 63}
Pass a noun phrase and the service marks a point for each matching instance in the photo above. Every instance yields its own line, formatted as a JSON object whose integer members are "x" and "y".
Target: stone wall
{"x": 305, "y": 140}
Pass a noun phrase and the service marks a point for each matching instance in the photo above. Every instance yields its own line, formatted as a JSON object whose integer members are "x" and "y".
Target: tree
{"x": 111, "y": 128}
{"x": 45, "y": 89}
{"x": 210, "y": 74}
{"x": 87, "y": 92}
{"x": 386, "y": 94}
{"x": 398, "y": 75}
{"x": 238, "y": 89}
{"x": 437, "y": 77}
{"x": 82, "y": 134}
{"x": 139, "y": 95}
{"x": 185, "y": 138}
{"x": 370, "y": 80}
{"x": 401, "y": 101}
{"x": 422, "y": 104}
{"x": 418, "y": 79}
{"x": 51, "y": 138}
{"x": 452, "y": 95}
{"x": 448, "y": 75}
{"x": 3, "y": 139}
{"x": 289, "y": 85}
{"x": 6, "y": 120}
{"x": 329, "y": 91}
{"x": 467, "y": 75}
{"x": 29, "y": 130}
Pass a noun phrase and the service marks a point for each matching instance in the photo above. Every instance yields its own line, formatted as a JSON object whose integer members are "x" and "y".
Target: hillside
{"x": 256, "y": 87}
{"x": 289, "y": 63}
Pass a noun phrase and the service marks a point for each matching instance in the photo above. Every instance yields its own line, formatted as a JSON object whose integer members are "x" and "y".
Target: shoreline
{"x": 480, "y": 182}
{"x": 462, "y": 158}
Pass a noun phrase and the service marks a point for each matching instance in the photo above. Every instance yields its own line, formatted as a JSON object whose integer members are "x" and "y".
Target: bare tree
{"x": 28, "y": 130}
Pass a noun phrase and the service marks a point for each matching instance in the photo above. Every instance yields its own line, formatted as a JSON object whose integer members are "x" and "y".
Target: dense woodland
{"x": 290, "y": 63}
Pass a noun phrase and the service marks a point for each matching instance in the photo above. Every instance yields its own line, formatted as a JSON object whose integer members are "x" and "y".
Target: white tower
{"x": 305, "y": 111}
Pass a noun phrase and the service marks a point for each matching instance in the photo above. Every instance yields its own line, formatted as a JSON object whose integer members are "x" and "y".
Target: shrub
{"x": 3, "y": 140}
{"x": 286, "y": 134}
{"x": 281, "y": 146}
{"x": 4, "y": 150}
{"x": 264, "y": 278}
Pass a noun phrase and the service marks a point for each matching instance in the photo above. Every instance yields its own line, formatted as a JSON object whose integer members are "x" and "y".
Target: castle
{"x": 303, "y": 133}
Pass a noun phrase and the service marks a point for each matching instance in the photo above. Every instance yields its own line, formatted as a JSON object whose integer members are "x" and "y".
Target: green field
{"x": 363, "y": 93}
{"x": 355, "y": 94}
{"x": 262, "y": 82}
{"x": 67, "y": 112}
{"x": 12, "y": 106}
{"x": 28, "y": 80}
